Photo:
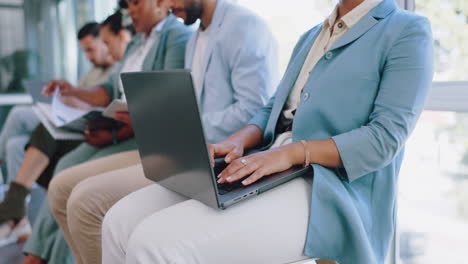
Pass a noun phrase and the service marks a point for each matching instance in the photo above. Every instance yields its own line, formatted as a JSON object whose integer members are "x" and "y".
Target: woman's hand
{"x": 124, "y": 117}
{"x": 229, "y": 148}
{"x": 233, "y": 147}
{"x": 99, "y": 138}
{"x": 262, "y": 164}
{"x": 126, "y": 131}
{"x": 103, "y": 137}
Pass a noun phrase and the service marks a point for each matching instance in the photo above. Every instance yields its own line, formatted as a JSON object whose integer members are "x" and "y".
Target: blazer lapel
{"x": 215, "y": 27}
{"x": 289, "y": 80}
{"x": 132, "y": 46}
{"x": 366, "y": 23}
{"x": 190, "y": 50}
{"x": 154, "y": 54}
{"x": 150, "y": 58}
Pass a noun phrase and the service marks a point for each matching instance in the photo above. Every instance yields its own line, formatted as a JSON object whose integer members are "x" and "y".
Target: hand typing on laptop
{"x": 182, "y": 145}
{"x": 255, "y": 166}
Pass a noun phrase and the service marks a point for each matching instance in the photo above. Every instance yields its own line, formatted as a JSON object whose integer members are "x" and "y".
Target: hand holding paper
{"x": 64, "y": 87}
{"x": 124, "y": 117}
{"x": 98, "y": 138}
{"x": 62, "y": 113}
{"x": 115, "y": 107}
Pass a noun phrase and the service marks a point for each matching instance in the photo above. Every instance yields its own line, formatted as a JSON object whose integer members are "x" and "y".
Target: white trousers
{"x": 156, "y": 225}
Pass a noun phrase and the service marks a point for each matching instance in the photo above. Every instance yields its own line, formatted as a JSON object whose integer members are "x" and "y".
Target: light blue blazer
{"x": 240, "y": 70}
{"x": 366, "y": 93}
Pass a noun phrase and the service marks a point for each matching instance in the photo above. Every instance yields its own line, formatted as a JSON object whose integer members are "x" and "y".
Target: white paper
{"x": 67, "y": 116}
{"x": 62, "y": 113}
{"x": 43, "y": 112}
{"x": 116, "y": 106}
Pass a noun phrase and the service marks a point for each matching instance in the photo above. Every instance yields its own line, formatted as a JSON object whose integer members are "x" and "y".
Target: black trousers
{"x": 52, "y": 148}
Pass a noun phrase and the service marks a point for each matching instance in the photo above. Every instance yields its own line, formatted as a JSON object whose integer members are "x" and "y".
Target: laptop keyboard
{"x": 228, "y": 186}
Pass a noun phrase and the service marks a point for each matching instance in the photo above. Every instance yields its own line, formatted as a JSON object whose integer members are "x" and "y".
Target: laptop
{"x": 172, "y": 145}
{"x": 34, "y": 88}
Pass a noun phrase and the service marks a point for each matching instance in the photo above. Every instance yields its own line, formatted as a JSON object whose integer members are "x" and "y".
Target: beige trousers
{"x": 80, "y": 196}
{"x": 156, "y": 225}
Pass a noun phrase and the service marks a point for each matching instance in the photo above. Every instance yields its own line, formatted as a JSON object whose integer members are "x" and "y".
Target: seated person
{"x": 352, "y": 94}
{"x": 22, "y": 120}
{"x": 39, "y": 155}
{"x": 159, "y": 45}
{"x": 236, "y": 82}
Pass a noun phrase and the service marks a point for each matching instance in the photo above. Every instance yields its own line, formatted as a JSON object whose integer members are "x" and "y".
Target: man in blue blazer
{"x": 238, "y": 71}
{"x": 353, "y": 91}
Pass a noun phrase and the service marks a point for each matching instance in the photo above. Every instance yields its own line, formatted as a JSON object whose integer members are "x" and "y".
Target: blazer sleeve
{"x": 251, "y": 56}
{"x": 109, "y": 85}
{"x": 404, "y": 86}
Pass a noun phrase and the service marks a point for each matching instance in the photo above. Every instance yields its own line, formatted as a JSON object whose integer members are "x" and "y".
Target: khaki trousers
{"x": 80, "y": 196}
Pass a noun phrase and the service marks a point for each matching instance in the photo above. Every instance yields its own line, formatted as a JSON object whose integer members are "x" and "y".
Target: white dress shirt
{"x": 134, "y": 62}
{"x": 199, "y": 56}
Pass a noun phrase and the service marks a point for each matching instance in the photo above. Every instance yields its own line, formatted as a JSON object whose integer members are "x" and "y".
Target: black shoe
{"x": 13, "y": 207}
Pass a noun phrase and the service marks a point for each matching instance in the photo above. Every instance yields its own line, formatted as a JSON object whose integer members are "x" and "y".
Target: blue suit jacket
{"x": 366, "y": 93}
{"x": 240, "y": 70}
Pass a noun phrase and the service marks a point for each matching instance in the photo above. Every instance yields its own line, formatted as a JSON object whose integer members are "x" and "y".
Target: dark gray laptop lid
{"x": 34, "y": 88}
{"x": 169, "y": 132}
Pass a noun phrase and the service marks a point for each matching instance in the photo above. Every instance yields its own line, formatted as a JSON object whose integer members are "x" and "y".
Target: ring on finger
{"x": 244, "y": 162}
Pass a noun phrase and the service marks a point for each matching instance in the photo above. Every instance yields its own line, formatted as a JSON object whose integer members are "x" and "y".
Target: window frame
{"x": 12, "y": 6}
{"x": 444, "y": 96}
{"x": 9, "y": 4}
{"x": 448, "y": 96}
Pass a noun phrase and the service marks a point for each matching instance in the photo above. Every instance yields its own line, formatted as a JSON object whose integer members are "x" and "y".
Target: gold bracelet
{"x": 307, "y": 154}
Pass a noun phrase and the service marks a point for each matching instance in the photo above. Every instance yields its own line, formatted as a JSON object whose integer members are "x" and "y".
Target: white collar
{"x": 351, "y": 18}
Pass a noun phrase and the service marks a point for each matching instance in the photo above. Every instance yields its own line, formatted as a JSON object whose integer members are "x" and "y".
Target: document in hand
{"x": 44, "y": 112}
{"x": 67, "y": 117}
{"x": 73, "y": 114}
{"x": 118, "y": 105}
